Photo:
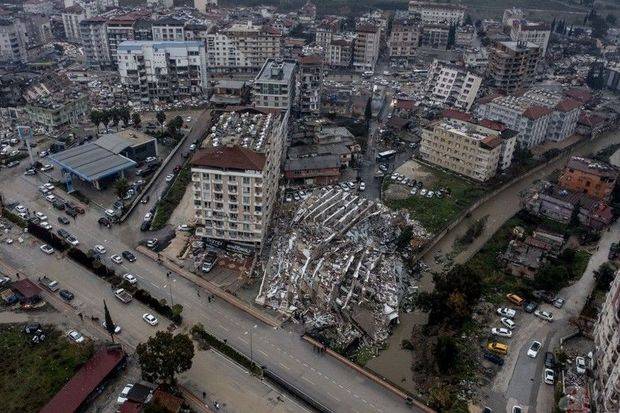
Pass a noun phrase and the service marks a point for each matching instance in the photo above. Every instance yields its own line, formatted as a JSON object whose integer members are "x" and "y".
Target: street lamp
{"x": 251, "y": 346}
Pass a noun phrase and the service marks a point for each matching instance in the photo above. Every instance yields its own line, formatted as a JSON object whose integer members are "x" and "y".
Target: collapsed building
{"x": 336, "y": 268}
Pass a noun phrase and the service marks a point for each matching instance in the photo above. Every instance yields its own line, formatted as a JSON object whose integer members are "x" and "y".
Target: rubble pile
{"x": 335, "y": 267}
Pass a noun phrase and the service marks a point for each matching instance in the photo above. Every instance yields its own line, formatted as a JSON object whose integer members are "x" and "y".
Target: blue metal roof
{"x": 91, "y": 162}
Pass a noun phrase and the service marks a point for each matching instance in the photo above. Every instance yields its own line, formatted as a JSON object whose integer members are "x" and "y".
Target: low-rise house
{"x": 320, "y": 170}
{"x": 230, "y": 92}
{"x": 522, "y": 259}
{"x": 590, "y": 124}
{"x": 594, "y": 178}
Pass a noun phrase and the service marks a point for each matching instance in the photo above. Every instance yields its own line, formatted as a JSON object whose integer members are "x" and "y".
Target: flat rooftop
{"x": 276, "y": 71}
{"x": 249, "y": 130}
{"x": 91, "y": 161}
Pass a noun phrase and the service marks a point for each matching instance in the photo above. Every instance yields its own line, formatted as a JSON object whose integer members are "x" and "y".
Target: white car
{"x": 413, "y": 191}
{"x": 430, "y": 194}
{"x": 117, "y": 328}
{"x": 169, "y": 177}
{"x": 150, "y": 318}
{"x": 116, "y": 259}
{"x": 43, "y": 154}
{"x": 20, "y": 209}
{"x": 502, "y": 332}
{"x": 545, "y": 315}
{"x": 534, "y": 349}
{"x": 75, "y": 336}
{"x": 549, "y": 376}
{"x": 148, "y": 216}
{"x": 46, "y": 225}
{"x": 192, "y": 147}
{"x": 580, "y": 365}
{"x": 122, "y": 398}
{"x": 130, "y": 278}
{"x": 362, "y": 186}
{"x": 72, "y": 240}
{"x": 41, "y": 216}
{"x": 184, "y": 227}
{"x": 47, "y": 249}
{"x": 506, "y": 312}
{"x": 99, "y": 249}
{"x": 49, "y": 186}
{"x": 46, "y": 167}
{"x": 50, "y": 198}
{"x": 110, "y": 212}
{"x": 508, "y": 322}
{"x": 423, "y": 192}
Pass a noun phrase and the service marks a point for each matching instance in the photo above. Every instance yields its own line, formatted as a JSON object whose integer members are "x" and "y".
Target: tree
{"x": 116, "y": 117}
{"x": 96, "y": 117}
{"x": 165, "y": 355}
{"x": 404, "y": 238}
{"x": 136, "y": 119}
{"x": 105, "y": 118}
{"x": 599, "y": 27}
{"x": 468, "y": 20}
{"x": 125, "y": 114}
{"x": 604, "y": 276}
{"x": 550, "y": 277}
{"x": 121, "y": 186}
{"x": 109, "y": 324}
{"x": 446, "y": 354}
{"x": 161, "y": 117}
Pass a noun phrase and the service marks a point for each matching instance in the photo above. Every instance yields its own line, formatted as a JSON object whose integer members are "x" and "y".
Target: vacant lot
{"x": 32, "y": 374}
{"x": 434, "y": 213}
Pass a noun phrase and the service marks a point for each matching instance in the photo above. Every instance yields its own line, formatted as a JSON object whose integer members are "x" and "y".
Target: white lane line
{"x": 242, "y": 339}
{"x": 308, "y": 380}
{"x": 333, "y": 397}
{"x": 263, "y": 353}
{"x": 283, "y": 366}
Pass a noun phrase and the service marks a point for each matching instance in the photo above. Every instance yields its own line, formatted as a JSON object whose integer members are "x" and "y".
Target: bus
{"x": 384, "y": 156}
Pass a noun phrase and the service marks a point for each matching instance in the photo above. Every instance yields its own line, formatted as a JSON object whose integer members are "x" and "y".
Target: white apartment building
{"x": 537, "y": 33}
{"x": 160, "y": 3}
{"x": 564, "y": 116}
{"x": 71, "y": 19}
{"x": 465, "y": 36}
{"x": 168, "y": 29}
{"x": 431, "y": 12}
{"x": 12, "y": 41}
{"x": 366, "y": 47}
{"x": 274, "y": 86}
{"x": 451, "y": 85}
{"x": 468, "y": 149}
{"x": 93, "y": 33}
{"x": 243, "y": 46}
{"x": 476, "y": 59}
{"x": 511, "y": 15}
{"x": 163, "y": 70}
{"x": 235, "y": 176}
{"x": 606, "y": 388}
{"x": 339, "y": 53}
{"x": 323, "y": 36}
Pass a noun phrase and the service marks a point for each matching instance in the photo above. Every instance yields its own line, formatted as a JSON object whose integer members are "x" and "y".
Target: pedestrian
{"x": 198, "y": 292}
{"x": 17, "y": 275}
{"x": 204, "y": 395}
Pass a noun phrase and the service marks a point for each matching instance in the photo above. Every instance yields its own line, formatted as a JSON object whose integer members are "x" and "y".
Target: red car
{"x": 177, "y": 169}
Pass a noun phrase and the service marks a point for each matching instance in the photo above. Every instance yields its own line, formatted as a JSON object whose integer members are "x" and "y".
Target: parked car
{"x": 116, "y": 259}
{"x": 49, "y": 186}
{"x": 117, "y": 328}
{"x": 506, "y": 312}
{"x": 152, "y": 243}
{"x": 530, "y": 306}
{"x": 105, "y": 222}
{"x": 549, "y": 360}
{"x": 148, "y": 216}
{"x": 558, "y": 302}
{"x": 73, "y": 240}
{"x": 30, "y": 171}
{"x": 50, "y": 198}
{"x": 32, "y": 328}
{"x": 46, "y": 167}
{"x": 63, "y": 220}
{"x": 66, "y": 295}
{"x": 501, "y": 332}
{"x": 99, "y": 249}
{"x": 545, "y": 315}
{"x": 515, "y": 299}
{"x": 122, "y": 398}
{"x": 549, "y": 376}
{"x": 71, "y": 212}
{"x": 129, "y": 256}
{"x": 145, "y": 199}
{"x": 580, "y": 365}
{"x": 46, "y": 225}
{"x": 497, "y": 348}
{"x": 493, "y": 358}
{"x": 58, "y": 204}
{"x": 534, "y": 349}
{"x": 184, "y": 227}
{"x": 130, "y": 278}
{"x": 169, "y": 177}
{"x": 507, "y": 322}
{"x": 75, "y": 336}
{"x": 47, "y": 249}
{"x": 150, "y": 319}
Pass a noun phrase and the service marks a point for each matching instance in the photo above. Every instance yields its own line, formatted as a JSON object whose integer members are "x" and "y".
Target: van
{"x": 498, "y": 348}
{"x": 513, "y": 298}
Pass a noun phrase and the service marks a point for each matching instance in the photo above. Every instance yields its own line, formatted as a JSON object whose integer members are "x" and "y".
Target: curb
{"x": 372, "y": 376}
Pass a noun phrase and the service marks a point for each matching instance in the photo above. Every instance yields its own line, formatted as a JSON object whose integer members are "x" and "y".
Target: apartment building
{"x": 12, "y": 41}
{"x": 339, "y": 53}
{"x": 366, "y": 47}
{"x": 565, "y": 112}
{"x": 466, "y": 148}
{"x": 593, "y": 178}
{"x": 404, "y": 38}
{"x": 606, "y": 388}
{"x": 323, "y": 35}
{"x": 431, "y": 12}
{"x": 435, "y": 36}
{"x": 274, "y": 86}
{"x": 168, "y": 28}
{"x": 476, "y": 59}
{"x": 310, "y": 83}
{"x": 132, "y": 26}
{"x": 163, "y": 70}
{"x": 511, "y": 15}
{"x": 71, "y": 18}
{"x": 58, "y": 109}
{"x": 93, "y": 34}
{"x": 538, "y": 33}
{"x": 235, "y": 176}
{"x": 448, "y": 84}
{"x": 512, "y": 65}
{"x": 465, "y": 35}
{"x": 243, "y": 46}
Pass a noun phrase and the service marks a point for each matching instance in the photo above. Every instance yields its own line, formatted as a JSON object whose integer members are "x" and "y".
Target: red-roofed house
{"x": 27, "y": 291}
{"x": 590, "y": 124}
{"x": 76, "y": 394}
{"x": 536, "y": 112}
{"x": 456, "y": 115}
{"x": 582, "y": 95}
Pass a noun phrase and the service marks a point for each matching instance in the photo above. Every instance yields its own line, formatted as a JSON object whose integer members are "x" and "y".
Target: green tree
{"x": 109, "y": 324}
{"x": 121, "y": 186}
{"x": 404, "y": 238}
{"x": 136, "y": 119}
{"x": 599, "y": 27}
{"x": 105, "y": 118}
{"x": 604, "y": 276}
{"x": 164, "y": 356}
{"x": 446, "y": 354}
{"x": 550, "y": 277}
{"x": 115, "y": 115}
{"x": 125, "y": 115}
{"x": 96, "y": 117}
{"x": 161, "y": 117}
{"x": 468, "y": 20}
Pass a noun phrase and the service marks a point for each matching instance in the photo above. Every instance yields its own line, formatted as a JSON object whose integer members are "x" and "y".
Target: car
{"x": 47, "y": 249}
{"x": 192, "y": 147}
{"x": 99, "y": 249}
{"x": 75, "y": 336}
{"x": 545, "y": 315}
{"x": 64, "y": 220}
{"x": 145, "y": 226}
{"x": 362, "y": 186}
{"x": 117, "y": 328}
{"x": 413, "y": 191}
{"x": 423, "y": 192}
{"x": 110, "y": 213}
{"x": 12, "y": 164}
{"x": 150, "y": 159}
{"x": 21, "y": 209}
{"x": 129, "y": 256}
{"x": 58, "y": 204}
{"x": 169, "y": 177}
{"x": 44, "y": 190}
{"x": 71, "y": 212}
{"x": 46, "y": 225}
{"x": 130, "y": 278}
{"x": 152, "y": 243}
{"x": 515, "y": 299}
{"x": 63, "y": 233}
{"x": 558, "y": 302}
{"x": 502, "y": 332}
{"x": 507, "y": 322}
{"x": 150, "y": 319}
{"x": 184, "y": 227}
{"x": 487, "y": 410}
{"x": 517, "y": 409}
{"x": 30, "y": 171}
{"x": 73, "y": 240}
{"x": 66, "y": 295}
{"x": 549, "y": 360}
{"x": 148, "y": 216}
{"x": 105, "y": 222}
{"x": 493, "y": 358}
{"x": 145, "y": 199}
{"x": 549, "y": 376}
{"x": 580, "y": 365}
{"x": 4, "y": 280}
{"x": 497, "y": 348}
{"x": 43, "y": 154}
{"x": 32, "y": 328}
{"x": 50, "y": 198}
{"x": 46, "y": 167}
{"x": 122, "y": 398}
{"x": 534, "y": 349}
{"x": 530, "y": 306}
{"x": 49, "y": 186}
{"x": 116, "y": 259}
{"x": 430, "y": 194}
{"x": 506, "y": 312}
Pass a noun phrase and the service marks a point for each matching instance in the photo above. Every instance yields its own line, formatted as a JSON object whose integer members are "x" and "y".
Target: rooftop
{"x": 119, "y": 141}
{"x": 229, "y": 158}
{"x": 276, "y": 71}
{"x": 592, "y": 167}
{"x": 139, "y": 44}
{"x": 519, "y": 46}
{"x": 250, "y": 129}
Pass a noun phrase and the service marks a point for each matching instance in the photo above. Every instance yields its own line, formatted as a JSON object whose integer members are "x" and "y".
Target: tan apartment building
{"x": 366, "y": 49}
{"x": 404, "y": 38}
{"x": 235, "y": 176}
{"x": 512, "y": 65}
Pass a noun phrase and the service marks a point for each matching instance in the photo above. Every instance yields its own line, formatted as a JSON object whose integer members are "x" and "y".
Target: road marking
{"x": 308, "y": 380}
{"x": 333, "y": 397}
{"x": 263, "y": 353}
{"x": 242, "y": 339}
{"x": 283, "y": 366}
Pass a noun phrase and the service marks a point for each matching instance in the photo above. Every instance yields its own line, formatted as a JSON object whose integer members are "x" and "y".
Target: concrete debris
{"x": 334, "y": 267}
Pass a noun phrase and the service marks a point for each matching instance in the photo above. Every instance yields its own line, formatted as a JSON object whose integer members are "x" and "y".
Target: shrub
{"x": 16, "y": 219}
{"x": 166, "y": 206}
{"x": 159, "y": 305}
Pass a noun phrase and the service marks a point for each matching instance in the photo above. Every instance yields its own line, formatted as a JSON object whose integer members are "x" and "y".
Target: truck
{"x": 48, "y": 283}
{"x": 209, "y": 261}
{"x": 123, "y": 295}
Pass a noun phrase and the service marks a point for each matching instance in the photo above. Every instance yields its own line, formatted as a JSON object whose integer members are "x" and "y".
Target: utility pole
{"x": 25, "y": 134}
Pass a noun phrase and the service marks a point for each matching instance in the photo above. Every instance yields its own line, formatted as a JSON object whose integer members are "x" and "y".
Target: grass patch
{"x": 363, "y": 355}
{"x": 434, "y": 213}
{"x": 32, "y": 374}
{"x": 166, "y": 206}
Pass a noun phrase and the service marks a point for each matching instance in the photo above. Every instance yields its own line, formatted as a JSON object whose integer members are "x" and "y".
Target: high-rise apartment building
{"x": 71, "y": 18}
{"x": 339, "y": 53}
{"x": 512, "y": 65}
{"x": 163, "y": 70}
{"x": 606, "y": 388}
{"x": 168, "y": 28}
{"x": 12, "y": 41}
{"x": 537, "y": 33}
{"x": 451, "y": 85}
{"x": 310, "y": 83}
{"x": 431, "y": 12}
{"x": 235, "y": 176}
{"x": 404, "y": 38}
{"x": 93, "y": 33}
{"x": 131, "y": 26}
{"x": 366, "y": 47}
{"x": 274, "y": 86}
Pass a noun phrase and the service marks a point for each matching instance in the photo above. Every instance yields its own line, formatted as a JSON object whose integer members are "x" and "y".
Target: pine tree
{"x": 109, "y": 324}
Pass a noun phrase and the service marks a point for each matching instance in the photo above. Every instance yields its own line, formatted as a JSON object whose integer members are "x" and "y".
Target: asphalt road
{"x": 334, "y": 385}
